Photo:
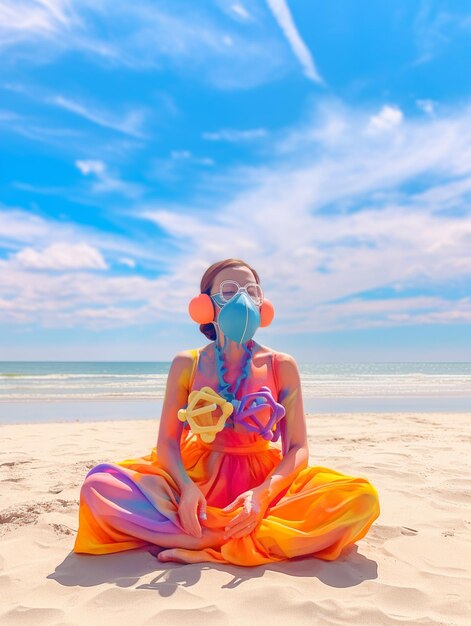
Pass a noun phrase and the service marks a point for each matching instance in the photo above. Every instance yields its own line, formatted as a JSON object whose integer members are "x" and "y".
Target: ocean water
{"x": 64, "y": 391}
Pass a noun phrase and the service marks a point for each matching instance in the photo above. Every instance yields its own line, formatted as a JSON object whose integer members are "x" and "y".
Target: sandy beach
{"x": 413, "y": 567}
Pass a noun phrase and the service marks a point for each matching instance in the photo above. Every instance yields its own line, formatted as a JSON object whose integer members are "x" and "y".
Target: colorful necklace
{"x": 246, "y": 409}
{"x": 223, "y": 386}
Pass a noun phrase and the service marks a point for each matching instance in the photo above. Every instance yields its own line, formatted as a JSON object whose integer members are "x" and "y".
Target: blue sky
{"x": 327, "y": 144}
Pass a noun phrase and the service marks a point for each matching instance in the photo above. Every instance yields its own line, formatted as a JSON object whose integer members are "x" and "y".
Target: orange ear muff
{"x": 267, "y": 313}
{"x": 201, "y": 309}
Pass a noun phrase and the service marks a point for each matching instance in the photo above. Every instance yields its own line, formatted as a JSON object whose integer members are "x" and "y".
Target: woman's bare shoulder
{"x": 184, "y": 357}
{"x": 285, "y": 365}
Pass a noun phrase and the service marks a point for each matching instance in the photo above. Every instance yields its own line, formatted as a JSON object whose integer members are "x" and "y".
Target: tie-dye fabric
{"x": 134, "y": 502}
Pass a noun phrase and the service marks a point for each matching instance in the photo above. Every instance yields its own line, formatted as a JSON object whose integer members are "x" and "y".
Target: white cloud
{"x": 91, "y": 167}
{"x": 130, "y": 124}
{"x": 173, "y": 167}
{"x": 332, "y": 224}
{"x": 234, "y": 135}
{"x": 180, "y": 154}
{"x": 43, "y": 18}
{"x": 330, "y": 221}
{"x": 72, "y": 298}
{"x": 61, "y": 256}
{"x": 67, "y": 141}
{"x": 426, "y": 105}
{"x": 240, "y": 10}
{"x": 434, "y": 28}
{"x": 179, "y": 36}
{"x": 186, "y": 155}
{"x": 388, "y": 118}
{"x": 75, "y": 294}
{"x": 19, "y": 228}
{"x": 285, "y": 20}
{"x": 106, "y": 182}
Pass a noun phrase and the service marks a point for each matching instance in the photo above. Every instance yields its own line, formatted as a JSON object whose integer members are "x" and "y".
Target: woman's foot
{"x": 181, "y": 555}
{"x": 212, "y": 538}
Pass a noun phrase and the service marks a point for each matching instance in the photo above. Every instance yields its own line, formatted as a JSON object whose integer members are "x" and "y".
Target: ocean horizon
{"x": 42, "y": 391}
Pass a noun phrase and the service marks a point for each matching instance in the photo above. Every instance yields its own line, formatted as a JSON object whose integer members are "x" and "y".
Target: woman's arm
{"x": 297, "y": 451}
{"x": 170, "y": 428}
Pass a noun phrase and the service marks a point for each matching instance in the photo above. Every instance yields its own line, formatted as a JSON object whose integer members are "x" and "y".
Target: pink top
{"x": 204, "y": 373}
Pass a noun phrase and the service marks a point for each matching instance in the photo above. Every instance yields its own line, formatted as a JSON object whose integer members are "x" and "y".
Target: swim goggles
{"x": 228, "y": 289}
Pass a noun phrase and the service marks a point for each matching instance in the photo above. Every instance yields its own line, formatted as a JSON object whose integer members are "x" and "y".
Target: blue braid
{"x": 223, "y": 388}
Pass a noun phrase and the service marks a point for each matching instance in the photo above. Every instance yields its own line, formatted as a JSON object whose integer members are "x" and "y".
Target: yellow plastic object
{"x": 201, "y": 419}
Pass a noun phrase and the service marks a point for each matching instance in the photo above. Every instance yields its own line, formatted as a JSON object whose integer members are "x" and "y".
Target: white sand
{"x": 413, "y": 567}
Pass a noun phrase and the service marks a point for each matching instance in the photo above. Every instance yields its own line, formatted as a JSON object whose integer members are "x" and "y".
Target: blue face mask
{"x": 239, "y": 318}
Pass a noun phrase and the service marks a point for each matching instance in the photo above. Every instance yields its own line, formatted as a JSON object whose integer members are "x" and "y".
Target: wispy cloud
{"x": 234, "y": 135}
{"x": 427, "y": 105}
{"x": 106, "y": 182}
{"x": 31, "y": 128}
{"x": 435, "y": 28}
{"x": 387, "y": 119}
{"x": 49, "y": 275}
{"x": 91, "y": 167}
{"x": 188, "y": 156}
{"x": 21, "y": 19}
{"x": 347, "y": 229}
{"x": 126, "y": 261}
{"x": 176, "y": 165}
{"x": 342, "y": 225}
{"x": 177, "y": 36}
{"x": 237, "y": 11}
{"x": 65, "y": 140}
{"x": 61, "y": 256}
{"x": 130, "y": 124}
{"x": 284, "y": 18}
{"x": 240, "y": 10}
{"x": 20, "y": 228}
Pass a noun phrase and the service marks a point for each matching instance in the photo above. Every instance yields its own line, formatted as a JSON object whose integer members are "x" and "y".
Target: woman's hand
{"x": 254, "y": 503}
{"x": 192, "y": 502}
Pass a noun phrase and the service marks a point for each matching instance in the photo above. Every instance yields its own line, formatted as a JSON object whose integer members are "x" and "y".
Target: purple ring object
{"x": 252, "y": 403}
